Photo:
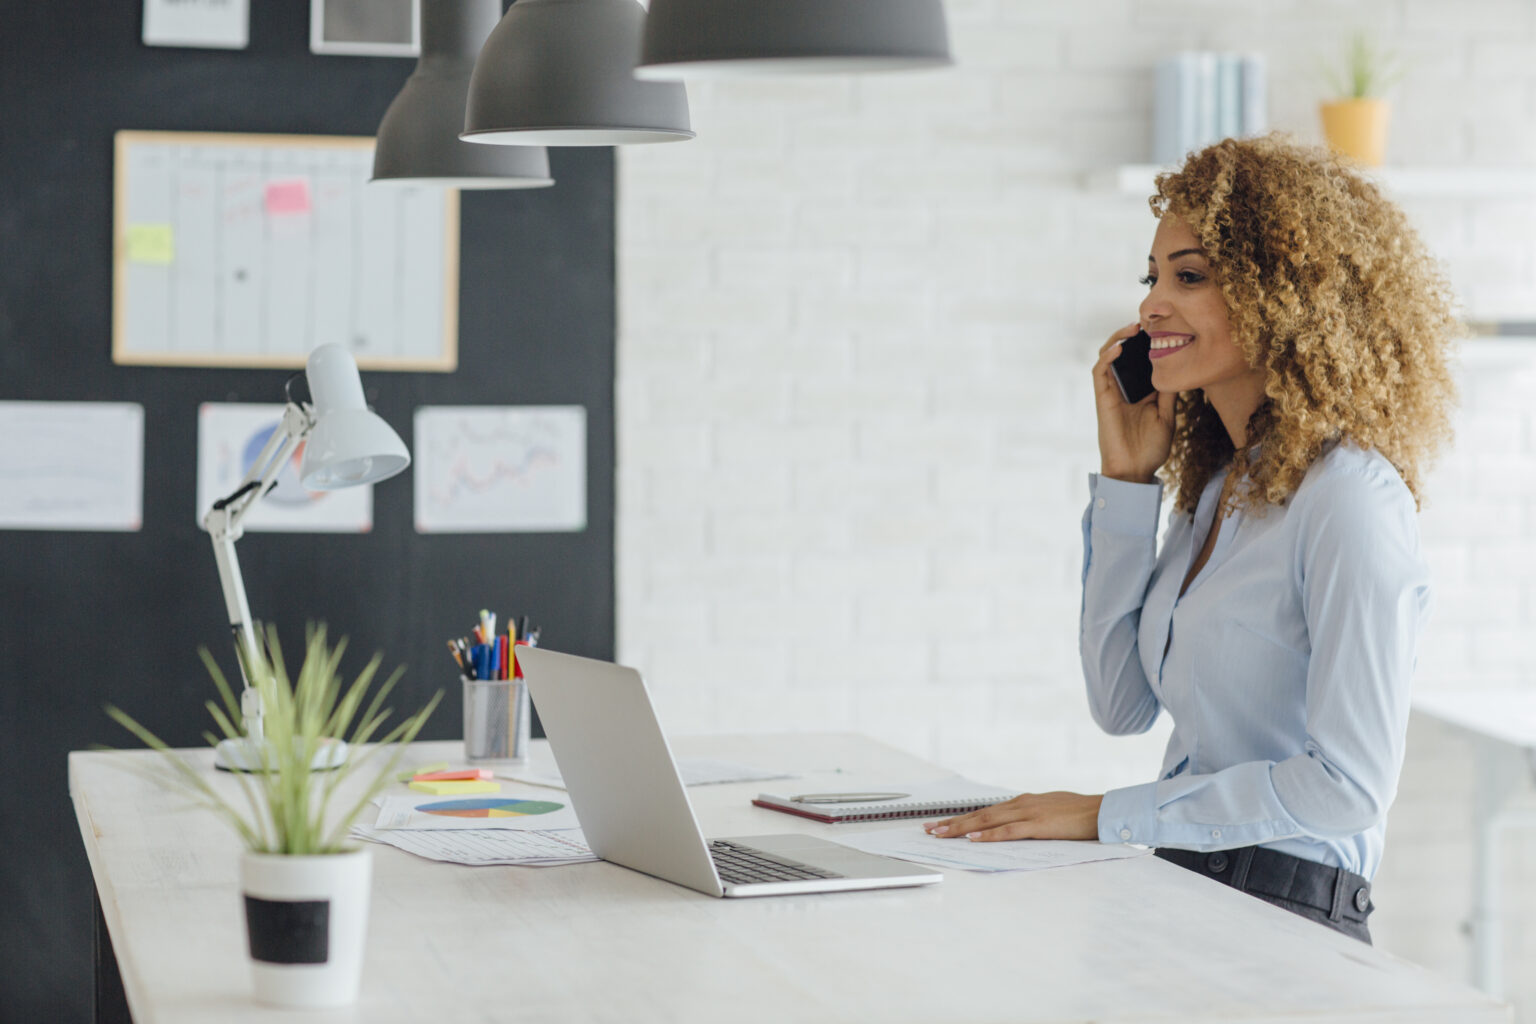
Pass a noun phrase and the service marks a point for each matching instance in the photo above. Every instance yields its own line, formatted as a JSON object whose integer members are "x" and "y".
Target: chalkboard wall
{"x": 87, "y": 618}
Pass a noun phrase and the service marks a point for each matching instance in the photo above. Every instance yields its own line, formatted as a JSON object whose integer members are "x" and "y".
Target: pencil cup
{"x": 496, "y": 726}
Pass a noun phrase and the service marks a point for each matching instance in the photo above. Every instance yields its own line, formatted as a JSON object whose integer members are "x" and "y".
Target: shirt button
{"x": 1100, "y": 503}
{"x": 1215, "y": 833}
{"x": 1125, "y": 833}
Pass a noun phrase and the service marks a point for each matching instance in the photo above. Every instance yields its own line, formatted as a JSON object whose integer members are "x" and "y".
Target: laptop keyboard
{"x": 743, "y": 865}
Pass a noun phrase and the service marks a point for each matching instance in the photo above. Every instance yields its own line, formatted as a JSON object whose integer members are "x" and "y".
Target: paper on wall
{"x": 214, "y": 24}
{"x": 71, "y": 466}
{"x": 500, "y": 469}
{"x": 229, "y": 438}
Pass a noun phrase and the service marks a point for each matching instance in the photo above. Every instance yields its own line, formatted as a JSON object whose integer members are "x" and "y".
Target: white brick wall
{"x": 856, "y": 317}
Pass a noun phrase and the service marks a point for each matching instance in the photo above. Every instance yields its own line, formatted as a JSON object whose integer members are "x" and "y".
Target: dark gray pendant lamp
{"x": 562, "y": 73}
{"x": 719, "y": 38}
{"x": 418, "y": 141}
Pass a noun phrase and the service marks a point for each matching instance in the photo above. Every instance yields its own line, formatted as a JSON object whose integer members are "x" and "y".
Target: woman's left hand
{"x": 1030, "y": 816}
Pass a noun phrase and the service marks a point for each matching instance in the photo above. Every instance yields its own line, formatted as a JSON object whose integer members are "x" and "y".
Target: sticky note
{"x": 407, "y": 776}
{"x": 463, "y": 774}
{"x": 284, "y": 197}
{"x": 151, "y": 243}
{"x": 456, "y": 786}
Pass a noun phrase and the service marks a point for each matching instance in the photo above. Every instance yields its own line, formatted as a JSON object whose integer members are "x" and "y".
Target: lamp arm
{"x": 296, "y": 424}
{"x": 223, "y": 523}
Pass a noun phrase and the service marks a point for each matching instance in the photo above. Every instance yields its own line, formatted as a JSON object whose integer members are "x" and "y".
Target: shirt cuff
{"x": 1121, "y": 507}
{"x": 1129, "y": 815}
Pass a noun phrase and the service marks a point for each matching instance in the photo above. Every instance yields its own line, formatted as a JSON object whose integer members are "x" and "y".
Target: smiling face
{"x": 1186, "y": 316}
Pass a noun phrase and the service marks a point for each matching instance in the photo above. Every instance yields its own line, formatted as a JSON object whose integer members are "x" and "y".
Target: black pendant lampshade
{"x": 418, "y": 140}
{"x": 562, "y": 73}
{"x": 719, "y": 38}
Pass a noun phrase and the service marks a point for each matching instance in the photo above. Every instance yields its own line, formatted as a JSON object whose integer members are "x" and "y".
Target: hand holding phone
{"x": 1135, "y": 420}
{"x": 1133, "y": 368}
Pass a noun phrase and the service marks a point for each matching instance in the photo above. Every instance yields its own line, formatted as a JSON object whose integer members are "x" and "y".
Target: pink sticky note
{"x": 288, "y": 196}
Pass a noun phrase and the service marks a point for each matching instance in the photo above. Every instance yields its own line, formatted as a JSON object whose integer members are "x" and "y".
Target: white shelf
{"x": 1430, "y": 182}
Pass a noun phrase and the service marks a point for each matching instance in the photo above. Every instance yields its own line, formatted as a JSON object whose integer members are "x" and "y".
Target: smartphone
{"x": 1133, "y": 368}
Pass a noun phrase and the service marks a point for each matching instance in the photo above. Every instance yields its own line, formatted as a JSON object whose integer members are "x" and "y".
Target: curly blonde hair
{"x": 1330, "y": 292}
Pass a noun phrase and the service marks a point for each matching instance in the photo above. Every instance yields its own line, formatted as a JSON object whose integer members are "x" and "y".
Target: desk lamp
{"x": 347, "y": 445}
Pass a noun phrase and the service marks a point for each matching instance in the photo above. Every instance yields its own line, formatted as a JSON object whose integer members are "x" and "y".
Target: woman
{"x": 1299, "y": 351}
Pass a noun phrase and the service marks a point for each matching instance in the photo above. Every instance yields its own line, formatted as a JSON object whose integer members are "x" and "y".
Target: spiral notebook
{"x": 924, "y": 800}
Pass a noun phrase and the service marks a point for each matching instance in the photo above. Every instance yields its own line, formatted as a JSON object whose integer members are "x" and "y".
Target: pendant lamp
{"x": 418, "y": 141}
{"x": 562, "y": 73}
{"x": 721, "y": 38}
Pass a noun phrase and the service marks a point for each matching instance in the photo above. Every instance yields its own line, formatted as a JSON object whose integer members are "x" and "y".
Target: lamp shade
{"x": 745, "y": 37}
{"x": 349, "y": 445}
{"x": 562, "y": 73}
{"x": 418, "y": 141}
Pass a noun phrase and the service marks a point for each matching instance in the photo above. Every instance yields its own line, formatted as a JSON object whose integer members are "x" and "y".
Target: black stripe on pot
{"x": 288, "y": 931}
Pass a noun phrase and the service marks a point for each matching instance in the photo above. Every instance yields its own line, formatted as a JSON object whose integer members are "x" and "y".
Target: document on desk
{"x": 696, "y": 771}
{"x": 530, "y": 848}
{"x": 448, "y": 814}
{"x": 909, "y": 842}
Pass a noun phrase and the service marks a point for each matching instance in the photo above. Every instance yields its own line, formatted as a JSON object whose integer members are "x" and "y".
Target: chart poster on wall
{"x": 501, "y": 469}
{"x": 230, "y": 437}
{"x": 210, "y": 24}
{"x": 365, "y": 28}
{"x": 250, "y": 250}
{"x": 71, "y": 466}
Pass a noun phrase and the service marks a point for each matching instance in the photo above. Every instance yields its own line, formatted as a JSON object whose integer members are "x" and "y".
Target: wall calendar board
{"x": 250, "y": 250}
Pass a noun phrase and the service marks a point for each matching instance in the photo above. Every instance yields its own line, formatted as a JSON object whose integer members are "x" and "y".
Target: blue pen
{"x": 482, "y": 655}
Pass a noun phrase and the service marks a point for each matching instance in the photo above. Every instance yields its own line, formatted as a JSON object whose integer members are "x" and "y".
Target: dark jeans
{"x": 1330, "y": 896}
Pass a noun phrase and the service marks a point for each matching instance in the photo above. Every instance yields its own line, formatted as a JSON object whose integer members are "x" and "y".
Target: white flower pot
{"x": 306, "y": 923}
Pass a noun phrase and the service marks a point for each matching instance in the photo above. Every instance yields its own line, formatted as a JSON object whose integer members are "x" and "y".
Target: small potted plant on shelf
{"x": 306, "y": 889}
{"x": 1355, "y": 121}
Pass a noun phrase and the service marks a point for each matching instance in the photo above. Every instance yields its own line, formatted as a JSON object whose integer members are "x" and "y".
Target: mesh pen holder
{"x": 496, "y": 721}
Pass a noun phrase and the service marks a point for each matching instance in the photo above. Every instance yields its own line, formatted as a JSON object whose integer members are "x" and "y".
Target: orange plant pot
{"x": 1357, "y": 128}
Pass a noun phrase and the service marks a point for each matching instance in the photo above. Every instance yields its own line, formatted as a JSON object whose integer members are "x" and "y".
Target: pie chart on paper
{"x": 489, "y": 807}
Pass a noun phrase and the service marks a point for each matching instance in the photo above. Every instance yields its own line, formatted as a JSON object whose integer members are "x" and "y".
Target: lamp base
{"x": 241, "y": 755}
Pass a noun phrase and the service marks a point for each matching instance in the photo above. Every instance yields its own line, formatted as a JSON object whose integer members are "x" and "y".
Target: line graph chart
{"x": 501, "y": 469}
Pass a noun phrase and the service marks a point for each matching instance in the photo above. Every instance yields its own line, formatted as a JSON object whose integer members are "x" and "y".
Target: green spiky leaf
{"x": 287, "y": 805}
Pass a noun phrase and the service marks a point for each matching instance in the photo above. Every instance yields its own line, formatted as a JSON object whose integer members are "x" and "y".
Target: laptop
{"x": 633, "y": 807}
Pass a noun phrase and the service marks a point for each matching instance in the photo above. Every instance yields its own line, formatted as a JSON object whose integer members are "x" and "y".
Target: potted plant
{"x": 306, "y": 889}
{"x": 1355, "y": 121}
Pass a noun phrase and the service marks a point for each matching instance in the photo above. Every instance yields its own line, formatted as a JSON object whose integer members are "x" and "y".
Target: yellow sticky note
{"x": 151, "y": 243}
{"x": 456, "y": 786}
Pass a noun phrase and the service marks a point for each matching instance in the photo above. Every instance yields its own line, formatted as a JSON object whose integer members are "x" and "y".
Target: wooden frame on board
{"x": 248, "y": 250}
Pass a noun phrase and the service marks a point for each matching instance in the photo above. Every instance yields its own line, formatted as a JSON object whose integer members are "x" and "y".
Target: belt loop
{"x": 1242, "y": 859}
{"x": 1340, "y": 883}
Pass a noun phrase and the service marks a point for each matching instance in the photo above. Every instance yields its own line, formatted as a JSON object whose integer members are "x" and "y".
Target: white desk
{"x": 1502, "y": 728}
{"x": 1121, "y": 941}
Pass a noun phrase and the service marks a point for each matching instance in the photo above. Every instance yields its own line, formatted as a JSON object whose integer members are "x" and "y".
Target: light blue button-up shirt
{"x": 1285, "y": 666}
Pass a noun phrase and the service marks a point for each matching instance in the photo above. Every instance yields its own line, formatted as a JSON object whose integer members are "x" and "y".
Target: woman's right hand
{"x": 1134, "y": 440}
